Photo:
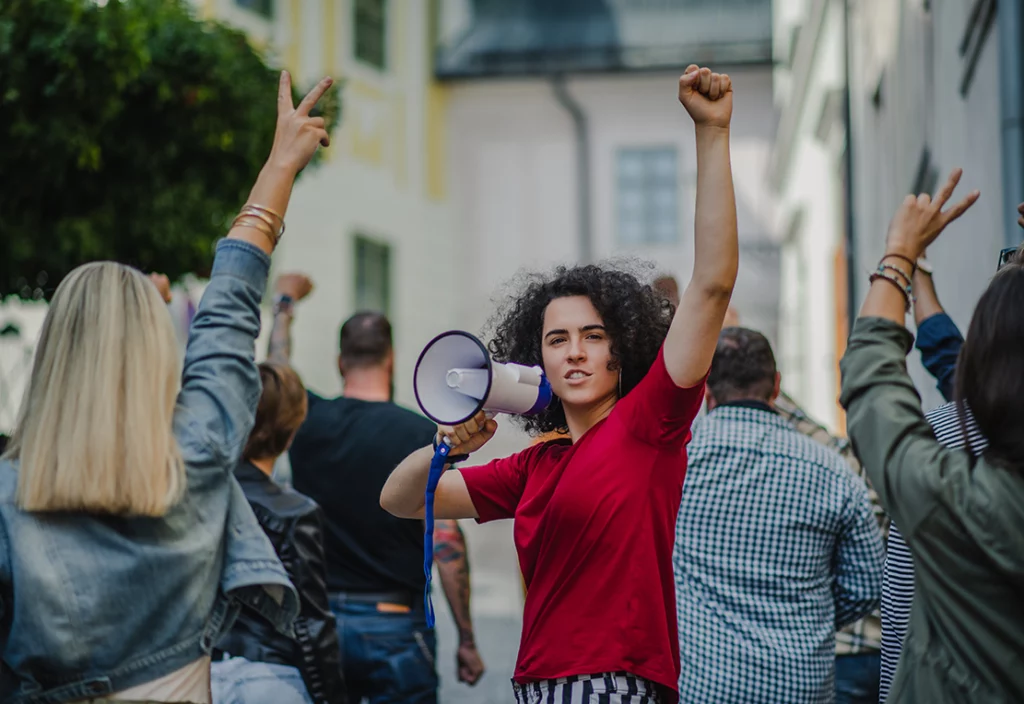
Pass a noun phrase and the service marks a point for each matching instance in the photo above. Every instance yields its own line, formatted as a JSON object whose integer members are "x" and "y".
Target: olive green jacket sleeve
{"x": 907, "y": 466}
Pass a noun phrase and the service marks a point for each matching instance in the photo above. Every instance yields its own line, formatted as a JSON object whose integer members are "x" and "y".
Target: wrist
{"x": 276, "y": 167}
{"x": 284, "y": 304}
{"x": 706, "y": 131}
{"x": 466, "y": 637}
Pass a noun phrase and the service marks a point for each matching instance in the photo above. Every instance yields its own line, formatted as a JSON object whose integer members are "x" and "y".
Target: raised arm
{"x": 289, "y": 289}
{"x": 905, "y": 463}
{"x": 938, "y": 338}
{"x": 220, "y": 384}
{"x": 691, "y": 340}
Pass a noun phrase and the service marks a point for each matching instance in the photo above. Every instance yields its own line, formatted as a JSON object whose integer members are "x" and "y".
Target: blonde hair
{"x": 94, "y": 432}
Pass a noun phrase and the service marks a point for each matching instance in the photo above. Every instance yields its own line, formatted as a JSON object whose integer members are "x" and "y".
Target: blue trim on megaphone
{"x": 544, "y": 396}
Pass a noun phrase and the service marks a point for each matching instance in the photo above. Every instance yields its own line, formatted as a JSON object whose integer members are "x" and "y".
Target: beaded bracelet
{"x": 905, "y": 290}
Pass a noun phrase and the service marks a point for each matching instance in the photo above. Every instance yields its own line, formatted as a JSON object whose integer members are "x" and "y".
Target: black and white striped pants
{"x": 609, "y": 688}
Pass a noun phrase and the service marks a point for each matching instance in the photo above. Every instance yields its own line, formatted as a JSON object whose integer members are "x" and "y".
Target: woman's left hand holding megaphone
{"x": 468, "y": 437}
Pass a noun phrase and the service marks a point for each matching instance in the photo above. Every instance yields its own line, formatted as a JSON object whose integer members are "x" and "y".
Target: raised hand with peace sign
{"x": 921, "y": 219}
{"x": 298, "y": 135}
{"x": 295, "y": 141}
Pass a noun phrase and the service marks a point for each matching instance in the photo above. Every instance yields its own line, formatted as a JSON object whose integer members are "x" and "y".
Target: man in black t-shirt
{"x": 341, "y": 457}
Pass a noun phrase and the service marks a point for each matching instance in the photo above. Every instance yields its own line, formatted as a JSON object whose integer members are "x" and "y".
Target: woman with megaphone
{"x": 595, "y": 512}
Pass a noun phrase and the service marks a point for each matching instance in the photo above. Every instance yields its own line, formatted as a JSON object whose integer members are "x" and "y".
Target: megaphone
{"x": 456, "y": 378}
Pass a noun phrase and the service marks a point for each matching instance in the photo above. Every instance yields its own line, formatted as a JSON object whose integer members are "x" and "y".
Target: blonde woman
{"x": 126, "y": 548}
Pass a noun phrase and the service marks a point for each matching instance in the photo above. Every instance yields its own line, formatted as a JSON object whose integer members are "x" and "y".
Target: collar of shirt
{"x": 748, "y": 403}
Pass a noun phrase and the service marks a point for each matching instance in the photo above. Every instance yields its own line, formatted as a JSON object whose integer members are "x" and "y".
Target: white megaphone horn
{"x": 455, "y": 379}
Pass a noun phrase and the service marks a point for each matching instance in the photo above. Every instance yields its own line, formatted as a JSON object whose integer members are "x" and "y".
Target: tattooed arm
{"x": 289, "y": 289}
{"x": 453, "y": 566}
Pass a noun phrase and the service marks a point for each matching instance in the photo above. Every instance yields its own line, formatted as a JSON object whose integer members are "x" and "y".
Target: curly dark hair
{"x": 635, "y": 317}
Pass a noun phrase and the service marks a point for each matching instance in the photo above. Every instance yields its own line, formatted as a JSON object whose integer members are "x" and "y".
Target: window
{"x": 648, "y": 192}
{"x": 372, "y": 275}
{"x": 260, "y": 7}
{"x": 371, "y": 32}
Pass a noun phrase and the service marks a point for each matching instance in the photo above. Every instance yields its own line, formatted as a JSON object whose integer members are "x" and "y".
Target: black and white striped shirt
{"x": 898, "y": 582}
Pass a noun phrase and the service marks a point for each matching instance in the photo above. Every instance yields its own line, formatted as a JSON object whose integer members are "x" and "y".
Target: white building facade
{"x": 932, "y": 86}
{"x": 805, "y": 171}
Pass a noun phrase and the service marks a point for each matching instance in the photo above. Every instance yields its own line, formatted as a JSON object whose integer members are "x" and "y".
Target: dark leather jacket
{"x": 293, "y": 523}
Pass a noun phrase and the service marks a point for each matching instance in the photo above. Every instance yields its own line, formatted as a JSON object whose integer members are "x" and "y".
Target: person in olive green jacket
{"x": 963, "y": 518}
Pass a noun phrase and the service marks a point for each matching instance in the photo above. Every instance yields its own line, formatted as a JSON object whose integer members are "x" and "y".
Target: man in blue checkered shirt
{"x": 776, "y": 544}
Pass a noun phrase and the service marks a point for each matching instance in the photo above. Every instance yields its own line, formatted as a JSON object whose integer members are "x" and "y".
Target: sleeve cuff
{"x": 936, "y": 329}
{"x": 882, "y": 330}
{"x": 241, "y": 260}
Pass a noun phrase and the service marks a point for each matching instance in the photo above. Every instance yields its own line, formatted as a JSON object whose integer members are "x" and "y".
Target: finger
{"x": 924, "y": 200}
{"x": 726, "y": 84}
{"x": 960, "y": 208}
{"x": 491, "y": 426}
{"x": 324, "y": 138}
{"x": 910, "y": 200}
{"x": 716, "y": 86}
{"x": 690, "y": 78}
{"x": 314, "y": 95}
{"x": 318, "y": 122}
{"x": 705, "y": 80}
{"x": 461, "y": 434}
{"x": 1020, "y": 208}
{"x": 1020, "y": 221}
{"x": 284, "y": 94}
{"x": 946, "y": 191}
{"x": 471, "y": 426}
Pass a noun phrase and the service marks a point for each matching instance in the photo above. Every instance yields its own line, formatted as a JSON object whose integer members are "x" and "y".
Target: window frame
{"x": 648, "y": 187}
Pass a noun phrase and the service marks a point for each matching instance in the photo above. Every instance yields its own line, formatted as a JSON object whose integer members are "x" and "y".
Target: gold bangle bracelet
{"x": 245, "y": 220}
{"x": 269, "y": 211}
{"x": 249, "y": 211}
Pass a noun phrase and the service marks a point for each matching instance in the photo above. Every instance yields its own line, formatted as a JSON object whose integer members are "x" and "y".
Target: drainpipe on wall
{"x": 582, "y": 133}
{"x": 1011, "y": 74}
{"x": 852, "y": 274}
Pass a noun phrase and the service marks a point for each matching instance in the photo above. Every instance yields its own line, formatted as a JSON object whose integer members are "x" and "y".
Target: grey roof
{"x": 529, "y": 37}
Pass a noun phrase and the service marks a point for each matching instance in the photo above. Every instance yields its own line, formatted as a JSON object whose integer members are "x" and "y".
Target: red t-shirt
{"x": 594, "y": 529}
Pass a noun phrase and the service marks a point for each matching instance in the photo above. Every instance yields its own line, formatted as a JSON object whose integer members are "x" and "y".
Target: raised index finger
{"x": 946, "y": 191}
{"x": 284, "y": 94}
{"x": 314, "y": 95}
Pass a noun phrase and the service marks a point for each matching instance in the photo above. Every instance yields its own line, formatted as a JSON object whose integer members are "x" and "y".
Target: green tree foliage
{"x": 129, "y": 131}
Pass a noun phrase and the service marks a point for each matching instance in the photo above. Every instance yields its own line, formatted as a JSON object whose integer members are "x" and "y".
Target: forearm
{"x": 716, "y": 242}
{"x": 273, "y": 189}
{"x": 691, "y": 340}
{"x": 927, "y": 303}
{"x": 403, "y": 492}
{"x": 279, "y": 349}
{"x": 884, "y": 300}
{"x": 453, "y": 566}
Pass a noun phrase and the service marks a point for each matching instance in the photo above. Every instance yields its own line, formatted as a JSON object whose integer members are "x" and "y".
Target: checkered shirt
{"x": 776, "y": 547}
{"x": 865, "y": 635}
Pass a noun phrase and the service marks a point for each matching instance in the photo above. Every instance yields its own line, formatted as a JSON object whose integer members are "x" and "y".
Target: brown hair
{"x": 281, "y": 410}
{"x": 365, "y": 340}
{"x": 989, "y": 379}
{"x": 743, "y": 367}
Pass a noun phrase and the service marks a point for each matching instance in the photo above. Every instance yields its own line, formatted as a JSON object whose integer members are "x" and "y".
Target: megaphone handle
{"x": 437, "y": 464}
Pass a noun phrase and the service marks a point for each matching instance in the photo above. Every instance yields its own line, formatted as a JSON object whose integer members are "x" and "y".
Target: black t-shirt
{"x": 341, "y": 457}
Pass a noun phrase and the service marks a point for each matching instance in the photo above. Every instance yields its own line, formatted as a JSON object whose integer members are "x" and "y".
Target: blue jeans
{"x": 857, "y": 678}
{"x": 240, "y": 681}
{"x": 387, "y": 658}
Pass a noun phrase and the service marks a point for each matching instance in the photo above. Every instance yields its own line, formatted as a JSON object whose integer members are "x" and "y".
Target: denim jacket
{"x": 91, "y": 605}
